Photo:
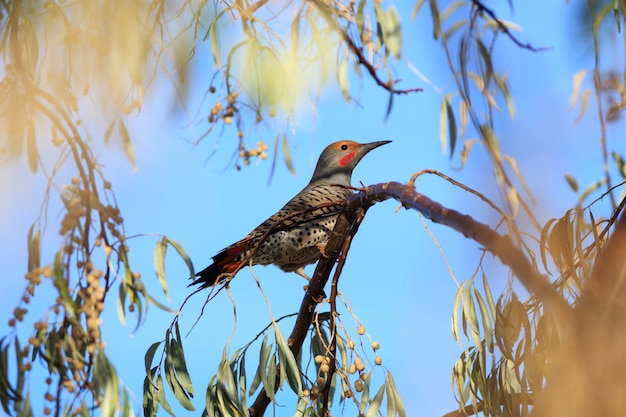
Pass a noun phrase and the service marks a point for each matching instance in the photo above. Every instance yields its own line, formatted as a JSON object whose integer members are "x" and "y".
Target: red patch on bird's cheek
{"x": 346, "y": 159}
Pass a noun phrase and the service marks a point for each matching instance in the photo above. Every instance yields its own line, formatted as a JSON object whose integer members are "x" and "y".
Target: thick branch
{"x": 501, "y": 246}
{"x": 313, "y": 296}
{"x": 537, "y": 284}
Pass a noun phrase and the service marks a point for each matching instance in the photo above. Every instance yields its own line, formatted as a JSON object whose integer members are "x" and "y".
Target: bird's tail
{"x": 225, "y": 264}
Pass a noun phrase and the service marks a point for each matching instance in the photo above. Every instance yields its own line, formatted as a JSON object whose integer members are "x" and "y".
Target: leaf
{"x": 451, "y": 8}
{"x": 451, "y": 128}
{"x": 109, "y": 132}
{"x": 342, "y": 79}
{"x": 620, "y": 163}
{"x": 392, "y": 33}
{"x": 359, "y": 18}
{"x": 416, "y": 9}
{"x": 121, "y": 304}
{"x": 264, "y": 365}
{"x": 160, "y": 249}
{"x": 571, "y": 181}
{"x": 455, "y": 27}
{"x": 447, "y": 126}
{"x": 126, "y": 408}
{"x": 160, "y": 392}
{"x": 376, "y": 402}
{"x": 394, "y": 397}
{"x": 180, "y": 366}
{"x": 34, "y": 247}
{"x": 584, "y": 101}
{"x": 434, "y": 10}
{"x": 504, "y": 88}
{"x": 288, "y": 362}
{"x": 486, "y": 320}
{"x": 288, "y": 159}
{"x": 29, "y": 47}
{"x": 150, "y": 355}
{"x": 31, "y": 146}
{"x": 215, "y": 44}
{"x": 128, "y": 146}
{"x": 456, "y": 305}
{"x": 578, "y": 81}
{"x": 107, "y": 384}
{"x": 183, "y": 254}
{"x": 175, "y": 385}
{"x": 242, "y": 382}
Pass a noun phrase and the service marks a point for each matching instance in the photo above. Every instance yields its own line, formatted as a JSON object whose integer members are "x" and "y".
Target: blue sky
{"x": 395, "y": 277}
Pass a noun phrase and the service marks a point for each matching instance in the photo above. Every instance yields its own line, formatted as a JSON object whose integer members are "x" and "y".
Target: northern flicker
{"x": 295, "y": 235}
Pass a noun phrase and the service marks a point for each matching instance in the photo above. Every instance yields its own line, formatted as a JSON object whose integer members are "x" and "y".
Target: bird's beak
{"x": 366, "y": 147}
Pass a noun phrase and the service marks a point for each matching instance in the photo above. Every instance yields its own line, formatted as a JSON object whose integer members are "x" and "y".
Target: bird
{"x": 295, "y": 235}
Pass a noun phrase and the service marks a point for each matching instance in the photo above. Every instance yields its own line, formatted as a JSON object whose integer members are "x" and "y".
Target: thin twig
{"x": 482, "y": 8}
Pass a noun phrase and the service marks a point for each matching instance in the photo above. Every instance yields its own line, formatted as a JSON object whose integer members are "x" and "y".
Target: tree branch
{"x": 482, "y": 8}
{"x": 346, "y": 226}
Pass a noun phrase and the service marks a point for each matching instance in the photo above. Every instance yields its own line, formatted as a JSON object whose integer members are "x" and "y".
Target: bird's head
{"x": 337, "y": 161}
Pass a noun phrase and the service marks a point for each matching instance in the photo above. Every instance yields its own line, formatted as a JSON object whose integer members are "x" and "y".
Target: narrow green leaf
{"x": 34, "y": 255}
{"x": 455, "y": 27}
{"x": 620, "y": 163}
{"x": 434, "y": 10}
{"x": 160, "y": 392}
{"x": 226, "y": 378}
{"x": 109, "y": 132}
{"x": 272, "y": 369}
{"x": 183, "y": 254}
{"x": 443, "y": 126}
{"x": 180, "y": 366}
{"x": 504, "y": 88}
{"x": 31, "y": 146}
{"x": 469, "y": 312}
{"x": 150, "y": 406}
{"x": 392, "y": 393}
{"x": 287, "y": 153}
{"x": 121, "y": 304}
{"x": 153, "y": 301}
{"x": 359, "y": 18}
{"x": 486, "y": 57}
{"x": 578, "y": 81}
{"x": 210, "y": 399}
{"x": 288, "y": 362}
{"x": 126, "y": 408}
{"x": 452, "y": 135}
{"x": 174, "y": 384}
{"x": 392, "y": 33}
{"x": 489, "y": 297}
{"x": 485, "y": 319}
{"x": 456, "y": 305}
{"x": 108, "y": 384}
{"x": 584, "y": 101}
{"x": 160, "y": 249}
{"x": 215, "y": 44}
{"x": 242, "y": 382}
{"x": 376, "y": 402}
{"x": 451, "y": 8}
{"x": 128, "y": 146}
{"x": 416, "y": 9}
{"x": 571, "y": 181}
{"x": 342, "y": 79}
{"x": 150, "y": 355}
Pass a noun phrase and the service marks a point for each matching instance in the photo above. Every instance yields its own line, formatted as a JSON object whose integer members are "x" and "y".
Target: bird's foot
{"x": 322, "y": 248}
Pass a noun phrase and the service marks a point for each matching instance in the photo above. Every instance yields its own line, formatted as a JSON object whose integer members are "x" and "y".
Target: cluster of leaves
{"x": 318, "y": 378}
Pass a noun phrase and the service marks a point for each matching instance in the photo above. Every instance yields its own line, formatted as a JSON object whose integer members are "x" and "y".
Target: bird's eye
{"x": 344, "y": 147}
